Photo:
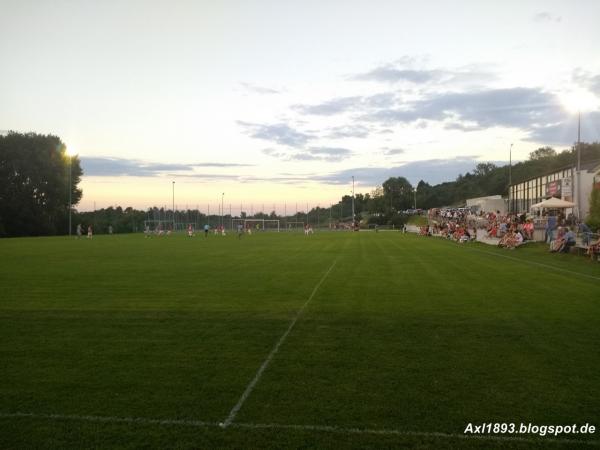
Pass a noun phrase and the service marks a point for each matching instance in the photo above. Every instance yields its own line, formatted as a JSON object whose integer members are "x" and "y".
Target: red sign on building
{"x": 553, "y": 189}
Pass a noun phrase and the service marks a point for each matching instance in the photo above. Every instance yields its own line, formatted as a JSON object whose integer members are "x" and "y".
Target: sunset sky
{"x": 274, "y": 102}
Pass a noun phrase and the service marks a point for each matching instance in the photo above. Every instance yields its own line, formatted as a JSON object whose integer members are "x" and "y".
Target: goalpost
{"x": 295, "y": 226}
{"x": 257, "y": 224}
{"x": 167, "y": 225}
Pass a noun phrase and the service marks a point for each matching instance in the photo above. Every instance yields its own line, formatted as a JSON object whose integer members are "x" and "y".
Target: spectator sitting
{"x": 528, "y": 229}
{"x": 516, "y": 241}
{"x": 502, "y": 229}
{"x": 505, "y": 241}
{"x": 594, "y": 248}
{"x": 569, "y": 241}
{"x": 557, "y": 244}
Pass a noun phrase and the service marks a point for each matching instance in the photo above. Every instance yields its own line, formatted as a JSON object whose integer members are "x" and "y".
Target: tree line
{"x": 36, "y": 176}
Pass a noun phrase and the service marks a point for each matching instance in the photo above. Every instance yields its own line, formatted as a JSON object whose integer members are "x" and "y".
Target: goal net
{"x": 295, "y": 226}
{"x": 256, "y": 224}
{"x": 155, "y": 226}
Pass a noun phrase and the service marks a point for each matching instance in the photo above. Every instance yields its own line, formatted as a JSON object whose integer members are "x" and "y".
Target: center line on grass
{"x": 275, "y": 349}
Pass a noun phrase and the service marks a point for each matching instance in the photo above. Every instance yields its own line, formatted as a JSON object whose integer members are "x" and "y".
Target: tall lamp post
{"x": 577, "y": 101}
{"x": 509, "y": 178}
{"x": 70, "y": 189}
{"x": 353, "y": 215}
{"x": 222, "y": 197}
{"x": 415, "y": 201}
{"x": 579, "y": 165}
{"x": 173, "y": 206}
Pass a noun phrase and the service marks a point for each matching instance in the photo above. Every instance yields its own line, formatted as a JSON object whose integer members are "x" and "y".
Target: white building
{"x": 562, "y": 183}
{"x": 491, "y": 203}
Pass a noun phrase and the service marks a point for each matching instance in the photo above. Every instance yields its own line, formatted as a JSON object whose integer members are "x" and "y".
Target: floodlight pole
{"x": 509, "y": 177}
{"x": 579, "y": 165}
{"x": 222, "y": 197}
{"x": 353, "y": 215}
{"x": 173, "y": 206}
{"x": 70, "y": 192}
{"x": 415, "y": 202}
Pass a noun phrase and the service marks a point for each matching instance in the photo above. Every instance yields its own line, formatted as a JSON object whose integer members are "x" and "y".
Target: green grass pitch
{"x": 127, "y": 342}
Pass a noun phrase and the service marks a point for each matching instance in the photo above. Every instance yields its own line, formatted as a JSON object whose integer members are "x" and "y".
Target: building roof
{"x": 590, "y": 166}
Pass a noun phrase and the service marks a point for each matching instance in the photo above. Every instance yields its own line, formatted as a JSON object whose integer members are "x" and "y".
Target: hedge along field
{"x": 336, "y": 339}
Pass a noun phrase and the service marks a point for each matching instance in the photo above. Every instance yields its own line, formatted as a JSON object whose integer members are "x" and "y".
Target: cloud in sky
{"x": 513, "y": 107}
{"x": 587, "y": 80}
{"x": 116, "y": 167}
{"x": 279, "y": 133}
{"x": 432, "y": 96}
{"x": 347, "y": 104}
{"x": 259, "y": 89}
{"x": 329, "y": 154}
{"x": 565, "y": 132}
{"x": 534, "y": 111}
{"x": 348, "y": 131}
{"x": 405, "y": 71}
{"x": 433, "y": 171}
{"x": 329, "y": 107}
{"x": 392, "y": 151}
{"x": 214, "y": 164}
{"x": 391, "y": 74}
{"x": 546, "y": 16}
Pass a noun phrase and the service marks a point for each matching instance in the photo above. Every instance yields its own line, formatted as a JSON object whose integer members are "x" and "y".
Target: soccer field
{"x": 363, "y": 340}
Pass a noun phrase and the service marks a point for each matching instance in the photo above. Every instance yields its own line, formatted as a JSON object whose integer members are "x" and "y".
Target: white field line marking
{"x": 274, "y": 351}
{"x": 525, "y": 261}
{"x": 278, "y": 426}
{"x": 111, "y": 419}
{"x": 392, "y": 432}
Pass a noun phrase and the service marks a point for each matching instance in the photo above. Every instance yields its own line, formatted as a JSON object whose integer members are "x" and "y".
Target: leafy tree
{"x": 34, "y": 184}
{"x": 543, "y": 152}
{"x": 484, "y": 169}
{"x": 593, "y": 219}
{"x": 397, "y": 193}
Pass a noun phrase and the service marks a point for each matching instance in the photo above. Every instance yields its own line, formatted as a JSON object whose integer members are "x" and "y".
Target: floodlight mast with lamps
{"x": 510, "y": 178}
{"x": 415, "y": 202}
{"x": 575, "y": 102}
{"x": 353, "y": 215}
{"x": 69, "y": 155}
{"x": 579, "y": 165}
{"x": 173, "y": 206}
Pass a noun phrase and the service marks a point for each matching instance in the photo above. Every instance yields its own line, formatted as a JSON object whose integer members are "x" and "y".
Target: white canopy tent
{"x": 554, "y": 203}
